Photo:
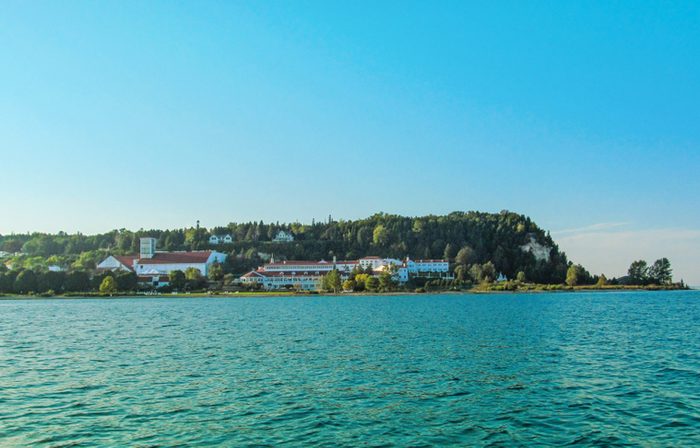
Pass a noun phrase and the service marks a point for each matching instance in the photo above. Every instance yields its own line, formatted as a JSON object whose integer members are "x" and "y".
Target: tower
{"x": 148, "y": 247}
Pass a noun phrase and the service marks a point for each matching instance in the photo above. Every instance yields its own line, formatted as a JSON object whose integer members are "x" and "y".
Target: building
{"x": 215, "y": 240}
{"x": 307, "y": 275}
{"x": 283, "y": 237}
{"x": 152, "y": 267}
{"x": 427, "y": 268}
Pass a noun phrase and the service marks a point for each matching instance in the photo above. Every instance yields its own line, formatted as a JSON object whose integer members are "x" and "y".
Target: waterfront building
{"x": 152, "y": 267}
{"x": 307, "y": 275}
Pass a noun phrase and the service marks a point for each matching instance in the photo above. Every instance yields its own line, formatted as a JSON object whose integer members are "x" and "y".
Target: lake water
{"x": 604, "y": 369}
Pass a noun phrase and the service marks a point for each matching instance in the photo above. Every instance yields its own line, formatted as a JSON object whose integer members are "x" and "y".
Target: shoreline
{"x": 272, "y": 294}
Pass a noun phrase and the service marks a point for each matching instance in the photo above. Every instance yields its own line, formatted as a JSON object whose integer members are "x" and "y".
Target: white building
{"x": 371, "y": 262}
{"x": 220, "y": 239}
{"x": 301, "y": 280}
{"x": 152, "y": 267}
{"x": 427, "y": 267}
{"x": 307, "y": 275}
{"x": 283, "y": 237}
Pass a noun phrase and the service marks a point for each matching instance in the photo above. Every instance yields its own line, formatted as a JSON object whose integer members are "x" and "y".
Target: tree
{"x": 26, "y": 282}
{"x": 361, "y": 281}
{"x": 51, "y": 281}
{"x": 660, "y": 272}
{"x": 108, "y": 285}
{"x": 578, "y": 275}
{"x": 488, "y": 272}
{"x": 126, "y": 281}
{"x": 448, "y": 253}
{"x": 216, "y": 272}
{"x": 331, "y": 281}
{"x": 380, "y": 235}
{"x": 572, "y": 276}
{"x": 461, "y": 272}
{"x": 193, "y": 273}
{"x": 371, "y": 284}
{"x": 349, "y": 285}
{"x": 602, "y": 280}
{"x": 77, "y": 281}
{"x": 475, "y": 273}
{"x": 194, "y": 279}
{"x": 386, "y": 282}
{"x": 638, "y": 272}
{"x": 521, "y": 277}
{"x": 465, "y": 256}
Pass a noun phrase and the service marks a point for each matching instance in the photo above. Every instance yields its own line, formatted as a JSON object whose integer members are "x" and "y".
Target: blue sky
{"x": 582, "y": 115}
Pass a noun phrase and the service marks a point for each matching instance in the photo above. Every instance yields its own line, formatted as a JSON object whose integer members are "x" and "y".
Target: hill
{"x": 511, "y": 241}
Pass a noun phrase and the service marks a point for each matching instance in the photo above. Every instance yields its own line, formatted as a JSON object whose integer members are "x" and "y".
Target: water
{"x": 549, "y": 369}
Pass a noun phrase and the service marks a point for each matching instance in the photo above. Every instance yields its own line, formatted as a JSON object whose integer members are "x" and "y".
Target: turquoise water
{"x": 603, "y": 369}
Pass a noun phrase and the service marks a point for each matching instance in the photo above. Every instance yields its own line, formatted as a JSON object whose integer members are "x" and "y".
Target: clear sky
{"x": 583, "y": 115}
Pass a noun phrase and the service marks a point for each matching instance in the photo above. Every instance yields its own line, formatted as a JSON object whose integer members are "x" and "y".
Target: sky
{"x": 582, "y": 115}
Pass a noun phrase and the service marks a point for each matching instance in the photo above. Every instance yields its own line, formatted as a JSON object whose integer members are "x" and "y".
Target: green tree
{"x": 386, "y": 282}
{"x": 108, "y": 285}
{"x": 660, "y": 272}
{"x": 572, "y": 276}
{"x": 448, "y": 253}
{"x": 602, "y": 280}
{"x": 488, "y": 272}
{"x": 521, "y": 277}
{"x": 331, "y": 281}
{"x": 26, "y": 282}
{"x": 126, "y": 281}
{"x": 465, "y": 256}
{"x": 193, "y": 273}
{"x": 380, "y": 235}
{"x": 349, "y": 285}
{"x": 638, "y": 272}
{"x": 371, "y": 283}
{"x": 361, "y": 281}
{"x": 51, "y": 281}
{"x": 461, "y": 272}
{"x": 216, "y": 272}
{"x": 77, "y": 281}
{"x": 177, "y": 280}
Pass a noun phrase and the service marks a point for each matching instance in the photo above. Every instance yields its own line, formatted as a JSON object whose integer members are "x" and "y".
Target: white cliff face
{"x": 540, "y": 252}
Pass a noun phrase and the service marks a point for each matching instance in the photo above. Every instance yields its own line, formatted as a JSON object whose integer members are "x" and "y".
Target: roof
{"x": 176, "y": 258}
{"x": 429, "y": 261}
{"x": 263, "y": 273}
{"x": 371, "y": 257}
{"x": 126, "y": 260}
{"x": 298, "y": 262}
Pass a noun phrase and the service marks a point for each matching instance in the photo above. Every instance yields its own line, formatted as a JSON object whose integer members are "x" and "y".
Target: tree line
{"x": 494, "y": 238}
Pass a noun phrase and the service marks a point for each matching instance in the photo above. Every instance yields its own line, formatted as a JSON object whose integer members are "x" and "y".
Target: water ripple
{"x": 614, "y": 369}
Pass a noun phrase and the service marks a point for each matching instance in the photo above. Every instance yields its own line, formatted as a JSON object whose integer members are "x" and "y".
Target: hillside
{"x": 511, "y": 241}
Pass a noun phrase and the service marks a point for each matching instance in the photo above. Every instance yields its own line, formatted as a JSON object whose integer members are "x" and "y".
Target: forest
{"x": 486, "y": 237}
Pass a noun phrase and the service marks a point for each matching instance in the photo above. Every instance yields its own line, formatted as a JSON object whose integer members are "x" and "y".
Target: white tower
{"x": 148, "y": 247}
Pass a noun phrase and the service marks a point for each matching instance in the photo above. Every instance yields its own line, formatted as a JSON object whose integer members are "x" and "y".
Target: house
{"x": 220, "y": 239}
{"x": 152, "y": 267}
{"x": 283, "y": 237}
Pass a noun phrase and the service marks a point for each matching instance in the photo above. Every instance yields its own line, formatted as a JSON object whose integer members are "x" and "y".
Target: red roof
{"x": 263, "y": 273}
{"x": 297, "y": 262}
{"x": 126, "y": 260}
{"x": 176, "y": 257}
